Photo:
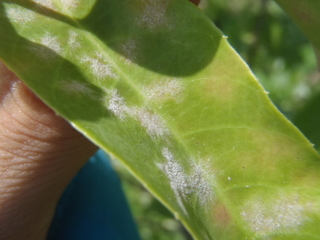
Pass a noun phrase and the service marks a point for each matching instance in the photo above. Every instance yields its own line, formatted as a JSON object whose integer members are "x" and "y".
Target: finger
{"x": 39, "y": 155}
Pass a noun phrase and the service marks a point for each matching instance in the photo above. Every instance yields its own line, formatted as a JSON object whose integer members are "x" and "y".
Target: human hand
{"x": 40, "y": 153}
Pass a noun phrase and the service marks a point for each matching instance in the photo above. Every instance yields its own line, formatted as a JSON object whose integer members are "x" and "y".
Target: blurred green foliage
{"x": 273, "y": 46}
{"x": 282, "y": 59}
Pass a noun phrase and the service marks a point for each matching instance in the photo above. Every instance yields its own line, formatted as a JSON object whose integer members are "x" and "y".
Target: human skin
{"x": 40, "y": 153}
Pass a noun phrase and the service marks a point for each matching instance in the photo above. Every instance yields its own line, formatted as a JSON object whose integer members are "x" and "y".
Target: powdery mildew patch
{"x": 70, "y": 5}
{"x": 99, "y": 66}
{"x": 150, "y": 121}
{"x": 48, "y": 47}
{"x": 130, "y": 50}
{"x": 75, "y": 87}
{"x": 184, "y": 184}
{"x": 177, "y": 177}
{"x": 74, "y": 40}
{"x": 45, "y": 3}
{"x": 52, "y": 43}
{"x": 154, "y": 14}
{"x": 42, "y": 52}
{"x": 20, "y": 15}
{"x": 200, "y": 183}
{"x": 165, "y": 90}
{"x": 280, "y": 215}
{"x": 117, "y": 105}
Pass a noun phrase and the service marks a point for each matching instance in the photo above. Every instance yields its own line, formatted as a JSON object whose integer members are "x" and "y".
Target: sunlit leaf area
{"x": 157, "y": 86}
{"x": 285, "y": 64}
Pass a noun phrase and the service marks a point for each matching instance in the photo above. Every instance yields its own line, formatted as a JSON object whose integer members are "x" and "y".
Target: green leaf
{"x": 317, "y": 51}
{"x": 156, "y": 85}
{"x": 306, "y": 15}
{"x": 307, "y": 120}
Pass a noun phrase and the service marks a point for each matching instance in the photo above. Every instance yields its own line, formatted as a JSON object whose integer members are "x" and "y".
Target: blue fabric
{"x": 93, "y": 207}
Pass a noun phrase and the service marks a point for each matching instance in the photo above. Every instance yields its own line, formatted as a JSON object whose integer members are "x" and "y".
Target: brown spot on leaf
{"x": 221, "y": 215}
{"x": 196, "y": 2}
{"x": 220, "y": 89}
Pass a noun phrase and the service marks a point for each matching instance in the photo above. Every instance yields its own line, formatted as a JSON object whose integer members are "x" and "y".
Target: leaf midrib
{"x": 101, "y": 46}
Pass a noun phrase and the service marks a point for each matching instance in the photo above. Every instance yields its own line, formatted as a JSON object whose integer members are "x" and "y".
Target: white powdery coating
{"x": 20, "y": 15}
{"x": 70, "y": 5}
{"x": 99, "y": 66}
{"x": 278, "y": 216}
{"x": 117, "y": 105}
{"x": 154, "y": 14}
{"x": 170, "y": 89}
{"x": 183, "y": 184}
{"x": 152, "y": 122}
{"x": 130, "y": 49}
{"x": 76, "y": 88}
{"x": 52, "y": 43}
{"x": 176, "y": 176}
{"x": 199, "y": 182}
{"x": 178, "y": 179}
{"x": 45, "y": 3}
{"x": 73, "y": 40}
{"x": 42, "y": 52}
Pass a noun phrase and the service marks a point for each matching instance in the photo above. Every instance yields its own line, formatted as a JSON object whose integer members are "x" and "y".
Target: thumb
{"x": 39, "y": 155}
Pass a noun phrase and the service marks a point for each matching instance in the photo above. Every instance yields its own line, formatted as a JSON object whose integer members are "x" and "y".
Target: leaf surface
{"x": 155, "y": 84}
{"x": 306, "y": 15}
{"x": 307, "y": 120}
